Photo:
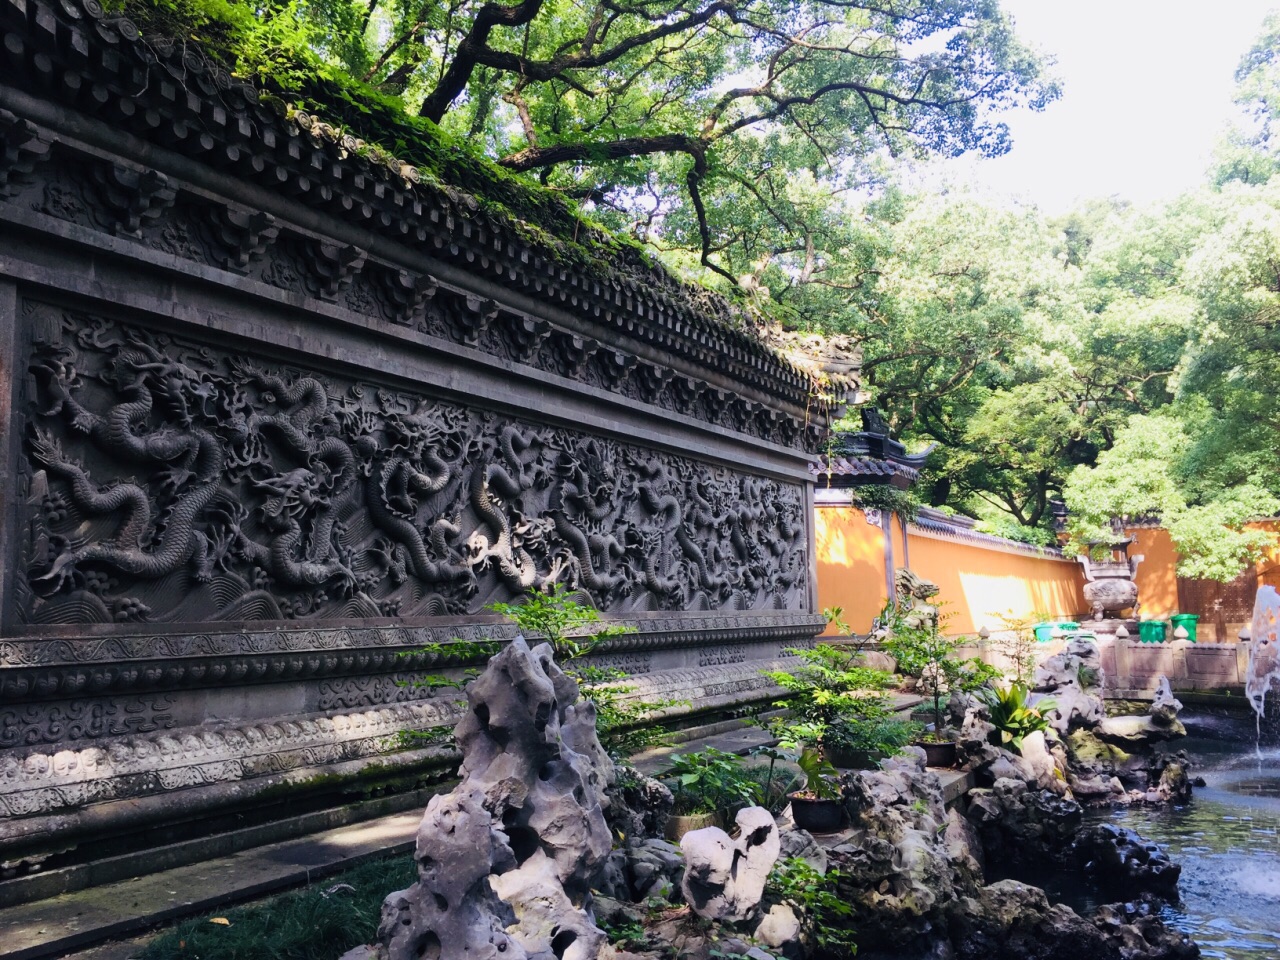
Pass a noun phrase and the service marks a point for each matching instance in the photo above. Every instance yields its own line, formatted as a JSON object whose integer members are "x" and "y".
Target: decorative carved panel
{"x": 168, "y": 481}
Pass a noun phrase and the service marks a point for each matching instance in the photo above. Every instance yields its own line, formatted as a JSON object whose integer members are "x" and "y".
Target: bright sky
{"x": 1147, "y": 88}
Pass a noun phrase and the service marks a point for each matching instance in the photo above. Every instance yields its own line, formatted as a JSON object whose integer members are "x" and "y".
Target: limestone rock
{"x": 1133, "y": 732}
{"x": 901, "y": 867}
{"x": 800, "y": 843}
{"x": 507, "y": 860}
{"x": 654, "y": 868}
{"x": 1009, "y": 920}
{"x": 1095, "y": 786}
{"x": 1073, "y": 678}
{"x": 1035, "y": 752}
{"x": 779, "y": 929}
{"x": 1019, "y": 824}
{"x": 1135, "y": 930}
{"x": 1120, "y": 860}
{"x": 1165, "y": 706}
{"x": 963, "y": 847}
{"x": 612, "y": 881}
{"x": 638, "y": 805}
{"x": 723, "y": 878}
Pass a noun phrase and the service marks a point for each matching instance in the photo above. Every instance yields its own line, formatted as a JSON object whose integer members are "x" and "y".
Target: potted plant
{"x": 867, "y": 734}
{"x": 829, "y": 684}
{"x": 1012, "y": 715}
{"x": 707, "y": 785}
{"x": 922, "y": 651}
{"x": 817, "y": 808}
{"x": 771, "y": 783}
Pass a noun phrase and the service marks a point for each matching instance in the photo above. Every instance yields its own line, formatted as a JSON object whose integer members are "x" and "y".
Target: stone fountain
{"x": 1264, "y": 649}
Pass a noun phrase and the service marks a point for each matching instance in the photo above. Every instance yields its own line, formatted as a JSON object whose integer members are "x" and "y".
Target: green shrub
{"x": 873, "y": 727}
{"x": 708, "y": 781}
{"x": 824, "y": 916}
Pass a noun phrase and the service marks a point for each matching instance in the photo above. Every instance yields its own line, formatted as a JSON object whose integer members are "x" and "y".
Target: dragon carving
{"x": 169, "y": 481}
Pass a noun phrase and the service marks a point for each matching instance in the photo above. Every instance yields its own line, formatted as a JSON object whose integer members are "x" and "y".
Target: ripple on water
{"x": 1228, "y": 842}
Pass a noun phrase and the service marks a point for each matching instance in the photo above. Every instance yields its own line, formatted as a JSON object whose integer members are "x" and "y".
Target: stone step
{"x": 58, "y": 925}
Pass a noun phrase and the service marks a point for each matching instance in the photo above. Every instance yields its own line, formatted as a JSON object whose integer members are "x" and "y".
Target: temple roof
{"x": 868, "y": 456}
{"x": 172, "y": 98}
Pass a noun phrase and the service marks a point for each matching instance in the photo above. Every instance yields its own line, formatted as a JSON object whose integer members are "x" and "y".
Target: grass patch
{"x": 308, "y": 924}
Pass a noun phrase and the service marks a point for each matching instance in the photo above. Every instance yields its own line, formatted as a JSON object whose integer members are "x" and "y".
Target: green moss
{"x": 1086, "y": 748}
{"x": 276, "y": 52}
{"x": 372, "y": 780}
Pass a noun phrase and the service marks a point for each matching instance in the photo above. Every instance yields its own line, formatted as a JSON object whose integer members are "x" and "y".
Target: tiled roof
{"x": 843, "y": 466}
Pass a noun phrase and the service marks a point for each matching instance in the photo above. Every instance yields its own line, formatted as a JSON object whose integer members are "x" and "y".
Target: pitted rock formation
{"x": 723, "y": 878}
{"x": 1073, "y": 678}
{"x": 1121, "y": 861}
{"x": 506, "y": 862}
{"x": 1161, "y": 722}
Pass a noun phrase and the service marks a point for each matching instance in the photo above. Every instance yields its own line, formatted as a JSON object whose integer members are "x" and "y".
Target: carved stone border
{"x": 49, "y": 669}
{"x": 37, "y": 780}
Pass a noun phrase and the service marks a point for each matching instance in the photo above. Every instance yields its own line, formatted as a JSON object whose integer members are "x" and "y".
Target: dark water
{"x": 1227, "y": 840}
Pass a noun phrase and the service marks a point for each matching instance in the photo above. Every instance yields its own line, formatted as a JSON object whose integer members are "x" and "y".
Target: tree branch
{"x": 465, "y": 58}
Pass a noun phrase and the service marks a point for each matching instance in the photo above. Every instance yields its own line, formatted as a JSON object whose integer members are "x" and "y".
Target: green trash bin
{"x": 1188, "y": 620}
{"x": 1043, "y": 632}
{"x": 1151, "y": 631}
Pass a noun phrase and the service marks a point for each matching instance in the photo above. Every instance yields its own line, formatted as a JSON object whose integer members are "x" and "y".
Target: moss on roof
{"x": 292, "y": 77}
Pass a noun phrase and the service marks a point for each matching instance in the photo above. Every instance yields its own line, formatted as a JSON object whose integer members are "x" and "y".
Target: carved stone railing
{"x": 274, "y": 417}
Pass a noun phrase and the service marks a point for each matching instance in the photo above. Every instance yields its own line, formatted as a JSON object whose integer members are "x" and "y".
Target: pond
{"x": 1227, "y": 840}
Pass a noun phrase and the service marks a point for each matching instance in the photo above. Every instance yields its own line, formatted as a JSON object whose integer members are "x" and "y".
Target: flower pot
{"x": 938, "y": 754}
{"x": 849, "y": 759}
{"x": 680, "y": 824}
{"x": 816, "y": 816}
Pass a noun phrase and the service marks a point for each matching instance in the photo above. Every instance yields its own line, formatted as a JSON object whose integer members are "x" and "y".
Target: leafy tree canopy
{"x": 684, "y": 121}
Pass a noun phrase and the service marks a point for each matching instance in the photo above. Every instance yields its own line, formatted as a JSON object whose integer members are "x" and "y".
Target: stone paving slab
{"x": 53, "y": 927}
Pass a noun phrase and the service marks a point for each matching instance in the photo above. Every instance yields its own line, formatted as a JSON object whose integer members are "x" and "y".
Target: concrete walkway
{"x": 105, "y": 922}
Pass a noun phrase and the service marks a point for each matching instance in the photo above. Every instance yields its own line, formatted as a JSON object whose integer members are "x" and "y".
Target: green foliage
{"x": 460, "y": 651}
{"x": 828, "y": 684}
{"x": 821, "y": 779}
{"x": 835, "y": 618}
{"x": 629, "y": 935}
{"x": 1012, "y": 715}
{"x": 708, "y": 781}
{"x": 1010, "y": 529}
{"x": 571, "y": 627}
{"x": 1018, "y": 644}
{"x": 574, "y": 629}
{"x": 325, "y": 919}
{"x": 1145, "y": 474}
{"x": 923, "y": 651}
{"x": 624, "y": 106}
{"x": 872, "y": 727}
{"x": 770, "y": 784}
{"x": 875, "y": 496}
{"x": 824, "y": 915}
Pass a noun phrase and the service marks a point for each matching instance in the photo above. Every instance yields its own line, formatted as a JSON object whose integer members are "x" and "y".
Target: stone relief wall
{"x": 171, "y": 482}
{"x": 278, "y": 419}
